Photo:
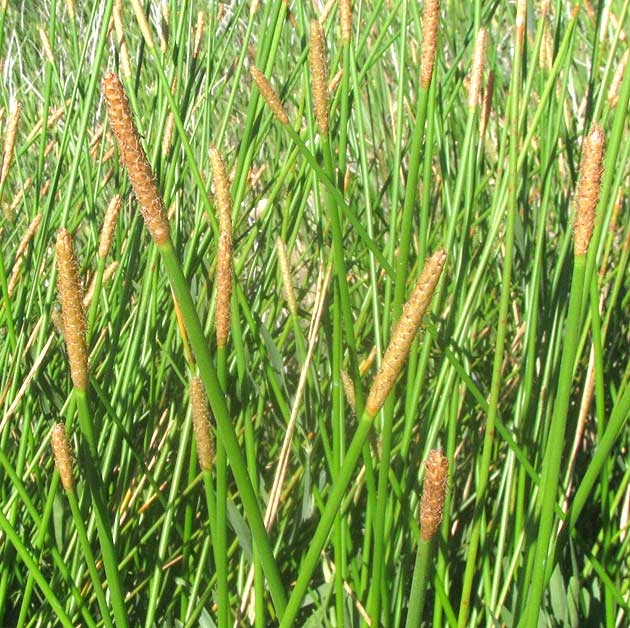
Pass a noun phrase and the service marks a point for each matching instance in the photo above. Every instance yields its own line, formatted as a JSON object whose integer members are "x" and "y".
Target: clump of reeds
{"x": 404, "y": 332}
{"x": 433, "y": 493}
{"x": 224, "y": 254}
{"x": 476, "y": 68}
{"x": 269, "y": 95}
{"x": 73, "y": 316}
{"x": 430, "y": 20}
{"x": 285, "y": 272}
{"x": 319, "y": 86}
{"x": 201, "y": 424}
{"x": 109, "y": 226}
{"x": 9, "y": 140}
{"x": 134, "y": 160}
{"x": 63, "y": 457}
{"x": 588, "y": 189}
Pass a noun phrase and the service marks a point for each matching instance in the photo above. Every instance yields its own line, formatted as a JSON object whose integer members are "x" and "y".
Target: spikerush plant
{"x": 414, "y": 158}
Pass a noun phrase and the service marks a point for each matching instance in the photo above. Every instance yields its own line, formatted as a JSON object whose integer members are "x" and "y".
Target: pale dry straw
{"x": 224, "y": 254}
{"x": 269, "y": 95}
{"x": 430, "y": 21}
{"x": 404, "y": 332}
{"x": 71, "y": 300}
{"x": 319, "y": 86}
{"x": 134, "y": 160}
{"x": 201, "y": 423}
{"x": 62, "y": 455}
{"x": 588, "y": 189}
{"x": 433, "y": 493}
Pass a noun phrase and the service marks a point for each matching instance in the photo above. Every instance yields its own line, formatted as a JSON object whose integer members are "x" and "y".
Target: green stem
{"x": 421, "y": 574}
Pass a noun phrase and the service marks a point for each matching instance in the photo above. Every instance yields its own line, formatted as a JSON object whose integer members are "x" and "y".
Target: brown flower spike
{"x": 404, "y": 332}
{"x": 430, "y": 20}
{"x": 269, "y": 94}
{"x": 224, "y": 254}
{"x": 476, "y": 68}
{"x": 318, "y": 77}
{"x": 588, "y": 189}
{"x": 133, "y": 158}
{"x": 434, "y": 490}
{"x": 109, "y": 226}
{"x": 201, "y": 424}
{"x": 73, "y": 316}
{"x": 345, "y": 20}
{"x": 62, "y": 455}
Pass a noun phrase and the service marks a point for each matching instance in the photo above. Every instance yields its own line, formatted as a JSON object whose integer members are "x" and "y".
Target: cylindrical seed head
{"x": 588, "y": 189}
{"x": 199, "y": 28}
{"x": 613, "y": 90}
{"x": 9, "y": 140}
{"x": 404, "y": 332}
{"x": 348, "y": 387}
{"x": 476, "y": 69}
{"x": 285, "y": 271}
{"x": 486, "y": 104}
{"x": 430, "y": 20}
{"x": 133, "y": 158}
{"x": 73, "y": 316}
{"x": 269, "y": 94}
{"x": 433, "y": 493}
{"x": 62, "y": 455}
{"x": 201, "y": 424}
{"x": 224, "y": 253}
{"x": 345, "y": 20}
{"x": 109, "y": 226}
{"x": 318, "y": 77}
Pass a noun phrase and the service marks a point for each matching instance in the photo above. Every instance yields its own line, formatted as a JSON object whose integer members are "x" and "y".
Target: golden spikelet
{"x": 107, "y": 275}
{"x": 269, "y": 94}
{"x": 109, "y": 226}
{"x": 285, "y": 271}
{"x": 430, "y": 20}
{"x": 134, "y": 160}
{"x": 21, "y": 250}
{"x": 164, "y": 33}
{"x": 199, "y": 29}
{"x": 476, "y": 68}
{"x": 224, "y": 254}
{"x": 588, "y": 189}
{"x": 125, "y": 61}
{"x": 201, "y": 424}
{"x": 404, "y": 332}
{"x": 318, "y": 77}
{"x": 143, "y": 24}
{"x": 48, "y": 53}
{"x": 486, "y": 104}
{"x": 613, "y": 90}
{"x": 70, "y": 9}
{"x": 433, "y": 493}
{"x": 348, "y": 388}
{"x": 72, "y": 310}
{"x": 9, "y": 140}
{"x": 345, "y": 20}
{"x": 63, "y": 457}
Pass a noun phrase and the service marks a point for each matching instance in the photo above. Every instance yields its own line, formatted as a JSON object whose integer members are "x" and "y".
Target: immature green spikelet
{"x": 224, "y": 254}
{"x": 319, "y": 85}
{"x": 62, "y": 455}
{"x": 433, "y": 493}
{"x": 269, "y": 95}
{"x": 430, "y": 20}
{"x": 73, "y": 317}
{"x": 404, "y": 332}
{"x": 201, "y": 424}
{"x": 109, "y": 226}
{"x": 588, "y": 189}
{"x": 134, "y": 160}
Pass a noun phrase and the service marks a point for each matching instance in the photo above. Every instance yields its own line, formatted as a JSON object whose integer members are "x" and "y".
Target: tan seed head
{"x": 9, "y": 140}
{"x": 318, "y": 77}
{"x": 345, "y": 20}
{"x": 109, "y": 226}
{"x": 201, "y": 423}
{"x": 404, "y": 332}
{"x": 434, "y": 491}
{"x": 134, "y": 160}
{"x": 430, "y": 20}
{"x": 476, "y": 69}
{"x": 71, "y": 300}
{"x": 588, "y": 189}
{"x": 613, "y": 90}
{"x": 269, "y": 95}
{"x": 62, "y": 455}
